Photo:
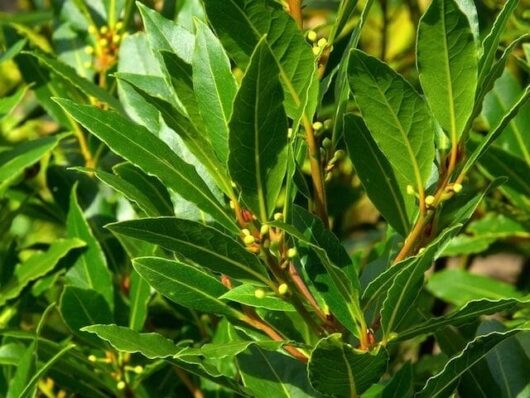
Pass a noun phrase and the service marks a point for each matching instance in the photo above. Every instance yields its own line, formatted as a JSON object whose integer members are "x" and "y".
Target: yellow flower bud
{"x": 119, "y": 25}
{"x": 292, "y": 252}
{"x": 283, "y": 289}
{"x": 264, "y": 229}
{"x": 316, "y": 50}
{"x": 410, "y": 190}
{"x": 278, "y": 216}
{"x": 92, "y": 358}
{"x": 104, "y": 30}
{"x": 245, "y": 232}
{"x": 457, "y": 187}
{"x": 322, "y": 42}
{"x": 138, "y": 369}
{"x": 312, "y": 35}
{"x": 259, "y": 293}
{"x": 429, "y": 200}
{"x": 103, "y": 42}
{"x": 121, "y": 385}
{"x": 249, "y": 239}
{"x": 317, "y": 126}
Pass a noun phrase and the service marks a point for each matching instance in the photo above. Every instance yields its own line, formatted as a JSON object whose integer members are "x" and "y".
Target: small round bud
{"x": 339, "y": 154}
{"x": 421, "y": 250}
{"x": 116, "y": 39}
{"x": 92, "y": 358}
{"x": 119, "y": 25}
{"x": 283, "y": 289}
{"x": 121, "y": 385}
{"x": 457, "y": 187}
{"x": 138, "y": 369}
{"x": 410, "y": 190}
{"x": 249, "y": 239}
{"x": 326, "y": 143}
{"x": 232, "y": 205}
{"x": 245, "y": 232}
{"x": 316, "y": 50}
{"x": 312, "y": 35}
{"x": 233, "y": 184}
{"x": 292, "y": 252}
{"x": 104, "y": 30}
{"x": 259, "y": 293}
{"x": 89, "y": 50}
{"x": 103, "y": 42}
{"x": 322, "y": 42}
{"x": 317, "y": 126}
{"x": 289, "y": 132}
{"x": 92, "y": 29}
{"x": 278, "y": 216}
{"x": 429, "y": 200}
{"x": 264, "y": 229}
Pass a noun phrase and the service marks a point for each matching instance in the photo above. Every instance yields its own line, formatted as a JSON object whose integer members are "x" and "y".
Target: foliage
{"x": 255, "y": 198}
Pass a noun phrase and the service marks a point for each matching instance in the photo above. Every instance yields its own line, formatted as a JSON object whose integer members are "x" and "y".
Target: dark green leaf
{"x": 258, "y": 135}
{"x": 402, "y": 383}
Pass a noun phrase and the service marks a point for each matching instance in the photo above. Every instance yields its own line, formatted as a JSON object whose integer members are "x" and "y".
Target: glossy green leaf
{"x": 138, "y": 301}
{"x": 84, "y": 307}
{"x": 241, "y": 24}
{"x": 408, "y": 283}
{"x": 90, "y": 270}
{"x": 443, "y": 383}
{"x": 273, "y": 374}
{"x": 377, "y": 176}
{"x": 164, "y": 34}
{"x": 23, "y": 372}
{"x": 152, "y": 155}
{"x": 8, "y": 103}
{"x": 14, "y": 161}
{"x": 36, "y": 266}
{"x": 514, "y": 138}
{"x": 215, "y": 87}
{"x": 459, "y": 287}
{"x": 150, "y": 345}
{"x": 397, "y": 117}
{"x": 69, "y": 74}
{"x": 336, "y": 369}
{"x": 468, "y": 313}
{"x": 447, "y": 63}
{"x": 233, "y": 348}
{"x": 258, "y": 134}
{"x": 199, "y": 243}
{"x": 184, "y": 284}
{"x": 402, "y": 383}
{"x": 246, "y": 294}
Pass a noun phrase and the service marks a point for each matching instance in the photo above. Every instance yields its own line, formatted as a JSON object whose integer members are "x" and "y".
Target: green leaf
{"x": 402, "y": 383}
{"x": 447, "y": 63}
{"x": 443, "y": 383}
{"x": 138, "y": 301}
{"x": 84, "y": 307}
{"x": 497, "y": 130}
{"x": 397, "y": 117}
{"x": 69, "y": 74}
{"x": 233, "y": 348}
{"x": 8, "y": 103}
{"x": 272, "y": 374}
{"x": 241, "y": 24}
{"x": 215, "y": 87}
{"x": 90, "y": 271}
{"x": 492, "y": 40}
{"x": 164, "y": 34}
{"x": 407, "y": 284}
{"x": 14, "y": 161}
{"x": 459, "y": 287}
{"x": 504, "y": 94}
{"x": 199, "y": 243}
{"x": 12, "y": 51}
{"x": 150, "y": 345}
{"x": 23, "y": 372}
{"x": 377, "y": 176}
{"x": 37, "y": 266}
{"x": 468, "y": 313}
{"x": 258, "y": 134}
{"x": 184, "y": 284}
{"x": 337, "y": 369}
{"x": 246, "y": 294}
{"x": 153, "y": 156}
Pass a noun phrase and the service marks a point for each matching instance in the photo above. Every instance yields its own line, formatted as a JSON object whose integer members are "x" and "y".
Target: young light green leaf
{"x": 84, "y": 307}
{"x": 408, "y": 283}
{"x": 258, "y": 134}
{"x": 164, "y": 34}
{"x": 443, "y": 382}
{"x": 397, "y": 117}
{"x": 241, "y": 24}
{"x": 150, "y": 345}
{"x": 90, "y": 271}
{"x": 233, "y": 348}
{"x": 199, "y": 243}
{"x": 336, "y": 369}
{"x": 447, "y": 63}
{"x": 8, "y": 103}
{"x": 377, "y": 176}
{"x": 185, "y": 285}
{"x": 459, "y": 287}
{"x": 215, "y": 87}
{"x": 36, "y": 266}
{"x": 256, "y": 297}
{"x": 152, "y": 155}
{"x": 468, "y": 313}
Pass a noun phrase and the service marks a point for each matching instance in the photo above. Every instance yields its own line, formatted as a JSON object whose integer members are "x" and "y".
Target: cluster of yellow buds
{"x": 106, "y": 43}
{"x": 318, "y": 44}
